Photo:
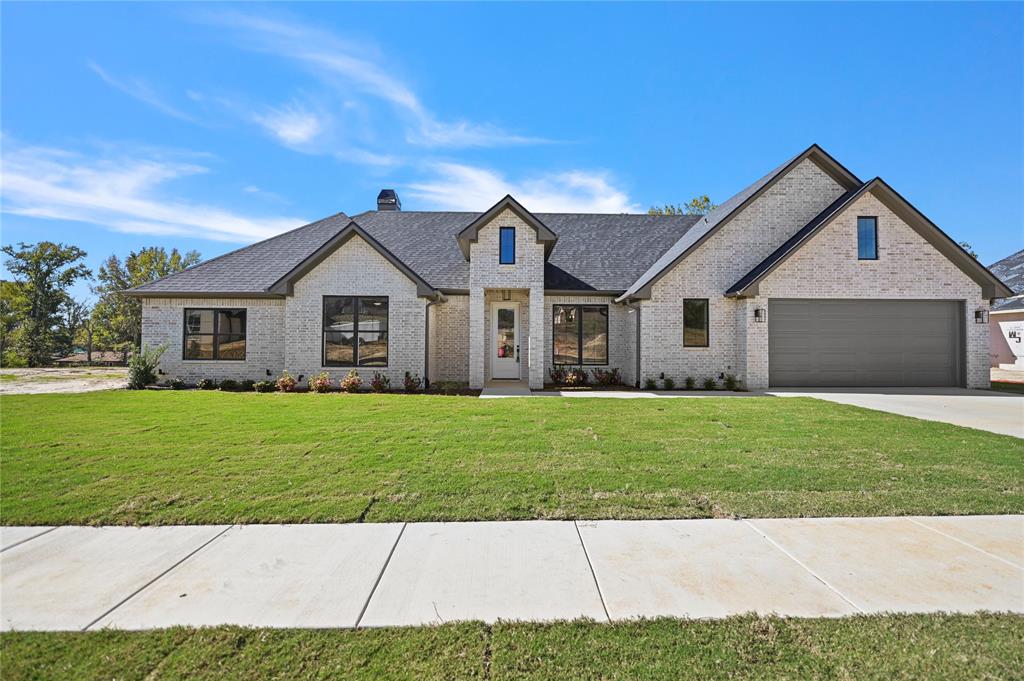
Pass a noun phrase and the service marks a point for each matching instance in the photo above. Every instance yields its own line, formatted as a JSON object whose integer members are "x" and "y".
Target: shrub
{"x": 142, "y": 367}
{"x": 176, "y": 383}
{"x": 691, "y": 383}
{"x": 351, "y": 383}
{"x": 668, "y": 383}
{"x": 286, "y": 383}
{"x": 730, "y": 382}
{"x": 380, "y": 383}
{"x": 247, "y": 384}
{"x": 710, "y": 384}
{"x": 264, "y": 386}
{"x": 557, "y": 375}
{"x": 321, "y": 383}
{"x": 650, "y": 384}
{"x": 411, "y": 382}
{"x": 576, "y": 376}
{"x": 607, "y": 377}
{"x": 229, "y": 385}
{"x": 206, "y": 384}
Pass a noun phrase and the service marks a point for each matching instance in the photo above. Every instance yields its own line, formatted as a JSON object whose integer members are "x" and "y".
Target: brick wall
{"x": 449, "y": 340}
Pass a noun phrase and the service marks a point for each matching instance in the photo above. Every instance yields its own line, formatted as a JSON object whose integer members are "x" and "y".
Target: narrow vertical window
{"x": 867, "y": 238}
{"x": 507, "y": 246}
{"x": 695, "y": 322}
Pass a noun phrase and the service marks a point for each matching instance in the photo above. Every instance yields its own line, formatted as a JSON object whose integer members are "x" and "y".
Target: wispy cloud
{"x": 141, "y": 90}
{"x": 121, "y": 193}
{"x": 292, "y": 124}
{"x": 456, "y": 186}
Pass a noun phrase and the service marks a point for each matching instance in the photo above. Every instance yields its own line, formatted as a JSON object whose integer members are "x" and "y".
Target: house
{"x": 1006, "y": 323}
{"x": 106, "y": 358}
{"x": 808, "y": 277}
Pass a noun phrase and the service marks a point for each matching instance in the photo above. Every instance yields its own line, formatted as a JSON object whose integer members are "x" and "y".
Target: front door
{"x": 505, "y": 343}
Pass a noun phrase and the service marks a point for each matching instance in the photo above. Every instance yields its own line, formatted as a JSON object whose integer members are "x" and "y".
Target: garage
{"x": 871, "y": 343}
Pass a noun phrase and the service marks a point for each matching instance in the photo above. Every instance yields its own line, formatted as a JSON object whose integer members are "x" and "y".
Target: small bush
{"x": 321, "y": 383}
{"x": 669, "y": 383}
{"x": 576, "y": 376}
{"x": 351, "y": 383}
{"x": 690, "y": 382}
{"x": 230, "y": 385}
{"x": 264, "y": 386}
{"x": 710, "y": 384}
{"x": 206, "y": 384}
{"x": 650, "y": 384}
{"x": 411, "y": 382}
{"x": 247, "y": 384}
{"x": 142, "y": 367}
{"x": 607, "y": 377}
{"x": 557, "y": 375}
{"x": 380, "y": 383}
{"x": 731, "y": 383}
{"x": 286, "y": 382}
{"x": 176, "y": 384}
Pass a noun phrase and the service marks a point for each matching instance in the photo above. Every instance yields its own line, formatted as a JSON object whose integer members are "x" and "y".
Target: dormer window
{"x": 507, "y": 246}
{"x": 867, "y": 238}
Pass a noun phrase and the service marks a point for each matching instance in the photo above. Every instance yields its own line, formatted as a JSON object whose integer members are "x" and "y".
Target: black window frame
{"x": 216, "y": 333}
{"x": 874, "y": 219}
{"x": 501, "y": 254}
{"x": 579, "y": 335}
{"x": 355, "y": 334}
{"x": 707, "y": 323}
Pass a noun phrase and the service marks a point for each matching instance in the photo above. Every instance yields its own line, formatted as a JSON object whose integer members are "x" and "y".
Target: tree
{"x": 73, "y": 317}
{"x": 698, "y": 205}
{"x": 14, "y": 309}
{"x": 970, "y": 249}
{"x": 44, "y": 271}
{"x": 118, "y": 318}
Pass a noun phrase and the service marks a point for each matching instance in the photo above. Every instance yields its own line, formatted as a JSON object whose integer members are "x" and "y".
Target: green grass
{"x": 120, "y": 457}
{"x": 890, "y": 647}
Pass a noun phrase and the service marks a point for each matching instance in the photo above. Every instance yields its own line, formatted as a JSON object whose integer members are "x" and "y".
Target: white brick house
{"x": 809, "y": 276}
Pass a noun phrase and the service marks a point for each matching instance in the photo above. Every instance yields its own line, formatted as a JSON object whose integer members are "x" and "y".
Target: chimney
{"x": 388, "y": 200}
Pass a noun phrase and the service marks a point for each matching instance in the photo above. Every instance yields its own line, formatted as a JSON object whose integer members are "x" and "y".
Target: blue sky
{"x": 212, "y": 126}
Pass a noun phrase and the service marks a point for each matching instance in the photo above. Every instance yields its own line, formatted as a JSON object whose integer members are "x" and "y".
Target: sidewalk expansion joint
{"x": 27, "y": 539}
{"x": 968, "y": 544}
{"x": 380, "y": 575}
{"x": 597, "y": 585}
{"x": 152, "y": 581}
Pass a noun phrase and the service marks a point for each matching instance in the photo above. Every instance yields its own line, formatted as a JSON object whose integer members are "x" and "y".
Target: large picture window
{"x": 355, "y": 331}
{"x": 211, "y": 333}
{"x": 695, "y": 322}
{"x": 579, "y": 334}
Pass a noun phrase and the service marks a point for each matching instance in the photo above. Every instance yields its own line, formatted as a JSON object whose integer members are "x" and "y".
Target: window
{"x": 867, "y": 238}
{"x": 579, "y": 334}
{"x": 355, "y": 331}
{"x": 214, "y": 334}
{"x": 507, "y": 246}
{"x": 695, "y": 322}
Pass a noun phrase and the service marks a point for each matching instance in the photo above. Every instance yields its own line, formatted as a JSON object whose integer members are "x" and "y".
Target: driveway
{"x": 398, "y": 574}
{"x": 982, "y": 409}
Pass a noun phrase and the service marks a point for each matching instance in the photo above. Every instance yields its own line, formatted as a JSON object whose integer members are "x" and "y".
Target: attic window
{"x": 507, "y": 246}
{"x": 867, "y": 238}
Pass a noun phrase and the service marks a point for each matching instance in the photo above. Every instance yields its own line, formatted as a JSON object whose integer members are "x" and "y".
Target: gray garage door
{"x": 865, "y": 343}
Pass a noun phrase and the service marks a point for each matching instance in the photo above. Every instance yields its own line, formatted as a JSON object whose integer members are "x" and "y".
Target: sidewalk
{"x": 370, "y": 575}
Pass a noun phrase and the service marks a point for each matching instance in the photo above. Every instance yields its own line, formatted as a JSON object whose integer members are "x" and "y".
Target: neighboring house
{"x": 99, "y": 358}
{"x": 1006, "y": 323}
{"x": 808, "y": 277}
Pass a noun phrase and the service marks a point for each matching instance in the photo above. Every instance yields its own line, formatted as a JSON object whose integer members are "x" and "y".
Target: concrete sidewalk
{"x": 367, "y": 575}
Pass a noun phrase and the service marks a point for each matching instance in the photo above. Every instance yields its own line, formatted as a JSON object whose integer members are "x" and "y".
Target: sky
{"x": 211, "y": 126}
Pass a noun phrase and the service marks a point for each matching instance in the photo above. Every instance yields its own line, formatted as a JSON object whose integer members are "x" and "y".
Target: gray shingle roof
{"x": 1011, "y": 270}
{"x": 1009, "y": 304}
{"x": 596, "y": 252}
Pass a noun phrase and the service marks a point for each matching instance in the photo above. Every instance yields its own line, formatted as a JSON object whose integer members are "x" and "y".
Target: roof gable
{"x": 991, "y": 286}
{"x": 471, "y": 232}
{"x": 720, "y": 216}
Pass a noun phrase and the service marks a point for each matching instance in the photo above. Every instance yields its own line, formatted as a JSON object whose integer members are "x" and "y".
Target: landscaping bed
{"x": 169, "y": 457}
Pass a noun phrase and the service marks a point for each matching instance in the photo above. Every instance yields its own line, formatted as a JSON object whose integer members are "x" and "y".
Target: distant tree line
{"x": 39, "y": 319}
{"x": 698, "y": 205}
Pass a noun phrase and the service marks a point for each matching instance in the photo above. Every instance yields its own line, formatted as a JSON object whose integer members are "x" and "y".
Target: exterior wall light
{"x": 981, "y": 316}
{"x": 759, "y": 314}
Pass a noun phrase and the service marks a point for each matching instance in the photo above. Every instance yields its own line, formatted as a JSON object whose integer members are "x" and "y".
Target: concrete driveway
{"x": 996, "y": 412}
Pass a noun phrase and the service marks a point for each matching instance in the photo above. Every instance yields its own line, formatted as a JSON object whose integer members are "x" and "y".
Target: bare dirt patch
{"x": 61, "y": 380}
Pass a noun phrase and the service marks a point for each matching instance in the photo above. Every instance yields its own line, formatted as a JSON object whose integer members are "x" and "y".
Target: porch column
{"x": 536, "y": 358}
{"x": 476, "y": 338}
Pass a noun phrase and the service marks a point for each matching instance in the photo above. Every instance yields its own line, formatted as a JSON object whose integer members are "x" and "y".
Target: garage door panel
{"x": 874, "y": 343}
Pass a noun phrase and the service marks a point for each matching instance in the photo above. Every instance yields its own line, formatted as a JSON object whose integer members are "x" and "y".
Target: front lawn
{"x": 890, "y": 647}
{"x": 121, "y": 457}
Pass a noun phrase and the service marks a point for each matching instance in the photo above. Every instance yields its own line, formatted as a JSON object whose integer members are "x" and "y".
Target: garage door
{"x": 865, "y": 343}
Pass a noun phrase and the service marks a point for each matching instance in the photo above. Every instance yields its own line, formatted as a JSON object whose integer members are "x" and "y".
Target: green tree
{"x": 44, "y": 271}
{"x": 970, "y": 249}
{"x": 73, "y": 317}
{"x": 14, "y": 309}
{"x": 698, "y": 205}
{"x": 117, "y": 318}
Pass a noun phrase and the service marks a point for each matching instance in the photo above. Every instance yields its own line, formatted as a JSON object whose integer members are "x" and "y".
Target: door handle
{"x": 517, "y": 353}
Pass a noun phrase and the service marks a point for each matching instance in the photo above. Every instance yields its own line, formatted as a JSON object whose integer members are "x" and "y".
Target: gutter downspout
{"x": 637, "y": 308}
{"x": 438, "y": 298}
